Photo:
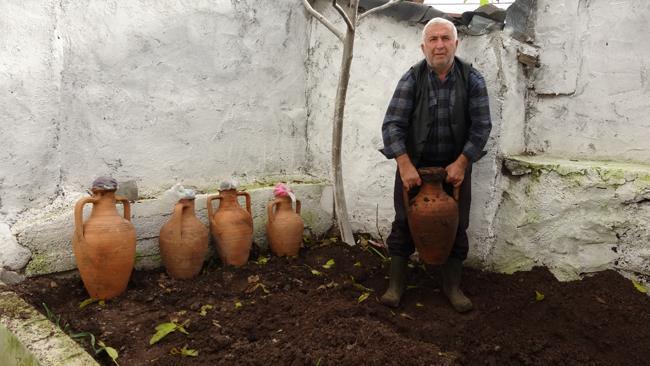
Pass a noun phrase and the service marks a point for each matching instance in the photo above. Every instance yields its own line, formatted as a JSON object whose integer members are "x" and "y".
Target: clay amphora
{"x": 232, "y": 227}
{"x": 183, "y": 242}
{"x": 433, "y": 217}
{"x": 285, "y": 227}
{"x": 104, "y": 246}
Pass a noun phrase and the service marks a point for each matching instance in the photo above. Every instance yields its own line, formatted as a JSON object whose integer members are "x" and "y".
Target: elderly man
{"x": 439, "y": 116}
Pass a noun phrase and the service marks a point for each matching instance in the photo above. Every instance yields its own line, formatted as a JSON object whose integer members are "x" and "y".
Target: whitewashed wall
{"x": 154, "y": 92}
{"x": 583, "y": 203}
{"x": 593, "y": 89}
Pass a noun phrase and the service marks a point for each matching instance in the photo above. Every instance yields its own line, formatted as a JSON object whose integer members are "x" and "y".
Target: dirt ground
{"x": 296, "y": 312}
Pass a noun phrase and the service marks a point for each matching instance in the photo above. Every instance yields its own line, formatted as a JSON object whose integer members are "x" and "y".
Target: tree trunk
{"x": 340, "y": 205}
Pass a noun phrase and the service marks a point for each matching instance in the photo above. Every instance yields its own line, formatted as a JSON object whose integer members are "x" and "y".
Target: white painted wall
{"x": 593, "y": 89}
{"x": 156, "y": 92}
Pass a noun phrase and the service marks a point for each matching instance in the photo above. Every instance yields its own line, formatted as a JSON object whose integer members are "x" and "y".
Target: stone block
{"x": 128, "y": 189}
{"x": 13, "y": 256}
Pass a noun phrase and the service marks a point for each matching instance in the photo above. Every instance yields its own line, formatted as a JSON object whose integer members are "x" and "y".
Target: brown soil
{"x": 290, "y": 316}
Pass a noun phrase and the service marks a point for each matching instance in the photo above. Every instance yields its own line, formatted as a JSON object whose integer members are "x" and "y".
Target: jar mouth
{"x": 432, "y": 174}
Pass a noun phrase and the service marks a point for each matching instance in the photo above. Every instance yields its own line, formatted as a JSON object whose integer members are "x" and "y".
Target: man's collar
{"x": 451, "y": 70}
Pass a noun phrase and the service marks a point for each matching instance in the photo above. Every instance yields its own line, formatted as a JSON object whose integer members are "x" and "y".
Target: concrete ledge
{"x": 29, "y": 338}
{"x": 574, "y": 217}
{"x": 48, "y": 235}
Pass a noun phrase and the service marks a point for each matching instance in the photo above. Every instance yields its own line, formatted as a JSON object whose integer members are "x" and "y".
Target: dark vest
{"x": 421, "y": 118}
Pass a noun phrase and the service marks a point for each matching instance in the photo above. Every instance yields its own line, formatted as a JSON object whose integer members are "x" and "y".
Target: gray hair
{"x": 440, "y": 21}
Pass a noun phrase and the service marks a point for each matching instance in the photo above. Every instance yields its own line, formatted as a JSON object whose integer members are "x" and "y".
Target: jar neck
{"x": 228, "y": 198}
{"x": 105, "y": 204}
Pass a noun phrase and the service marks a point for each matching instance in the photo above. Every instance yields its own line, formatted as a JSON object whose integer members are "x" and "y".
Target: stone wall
{"x": 152, "y": 92}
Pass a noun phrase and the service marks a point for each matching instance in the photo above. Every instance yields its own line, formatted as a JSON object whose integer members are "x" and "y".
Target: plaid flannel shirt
{"x": 396, "y": 122}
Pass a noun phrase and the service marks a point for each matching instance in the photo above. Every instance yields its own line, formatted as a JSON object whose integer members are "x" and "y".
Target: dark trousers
{"x": 399, "y": 241}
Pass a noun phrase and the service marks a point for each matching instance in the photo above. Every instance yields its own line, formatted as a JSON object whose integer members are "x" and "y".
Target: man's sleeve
{"x": 394, "y": 129}
{"x": 479, "y": 114}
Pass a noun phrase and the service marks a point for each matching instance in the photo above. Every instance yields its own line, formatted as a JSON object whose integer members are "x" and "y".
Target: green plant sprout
{"x": 164, "y": 329}
{"x": 100, "y": 346}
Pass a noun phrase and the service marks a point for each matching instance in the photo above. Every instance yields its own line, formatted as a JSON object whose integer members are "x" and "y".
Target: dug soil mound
{"x": 304, "y": 311}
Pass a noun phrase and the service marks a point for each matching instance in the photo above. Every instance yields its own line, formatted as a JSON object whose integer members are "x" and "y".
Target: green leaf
{"x": 92, "y": 340}
{"x": 359, "y": 286}
{"x": 329, "y": 264}
{"x": 112, "y": 353}
{"x": 87, "y": 302}
{"x": 484, "y": 2}
{"x": 205, "y": 308}
{"x": 358, "y": 264}
{"x": 383, "y": 257}
{"x": 238, "y": 305}
{"x": 363, "y": 297}
{"x": 185, "y": 352}
{"x": 262, "y": 260}
{"x": 161, "y": 331}
{"x": 640, "y": 287}
{"x": 419, "y": 304}
{"x": 316, "y": 273}
{"x": 539, "y": 296}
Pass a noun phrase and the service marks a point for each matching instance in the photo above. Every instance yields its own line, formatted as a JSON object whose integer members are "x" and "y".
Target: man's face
{"x": 439, "y": 46}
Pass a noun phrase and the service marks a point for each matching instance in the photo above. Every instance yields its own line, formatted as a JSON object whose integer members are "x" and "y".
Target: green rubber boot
{"x": 451, "y": 274}
{"x": 397, "y": 282}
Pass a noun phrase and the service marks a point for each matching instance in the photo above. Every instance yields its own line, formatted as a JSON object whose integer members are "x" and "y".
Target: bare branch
{"x": 389, "y": 4}
{"x": 323, "y": 20}
{"x": 343, "y": 14}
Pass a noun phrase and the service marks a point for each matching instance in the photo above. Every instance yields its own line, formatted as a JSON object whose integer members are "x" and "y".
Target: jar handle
{"x": 269, "y": 209}
{"x": 209, "y": 204}
{"x": 127, "y": 206}
{"x": 248, "y": 200}
{"x": 78, "y": 216}
{"x": 298, "y": 206}
{"x": 177, "y": 226}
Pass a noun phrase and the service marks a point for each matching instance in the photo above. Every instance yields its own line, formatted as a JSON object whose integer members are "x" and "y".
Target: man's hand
{"x": 456, "y": 171}
{"x": 407, "y": 171}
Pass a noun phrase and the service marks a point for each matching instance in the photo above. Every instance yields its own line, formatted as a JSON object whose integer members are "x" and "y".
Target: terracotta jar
{"x": 183, "y": 241}
{"x": 104, "y": 246}
{"x": 231, "y": 226}
{"x": 433, "y": 217}
{"x": 285, "y": 227}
